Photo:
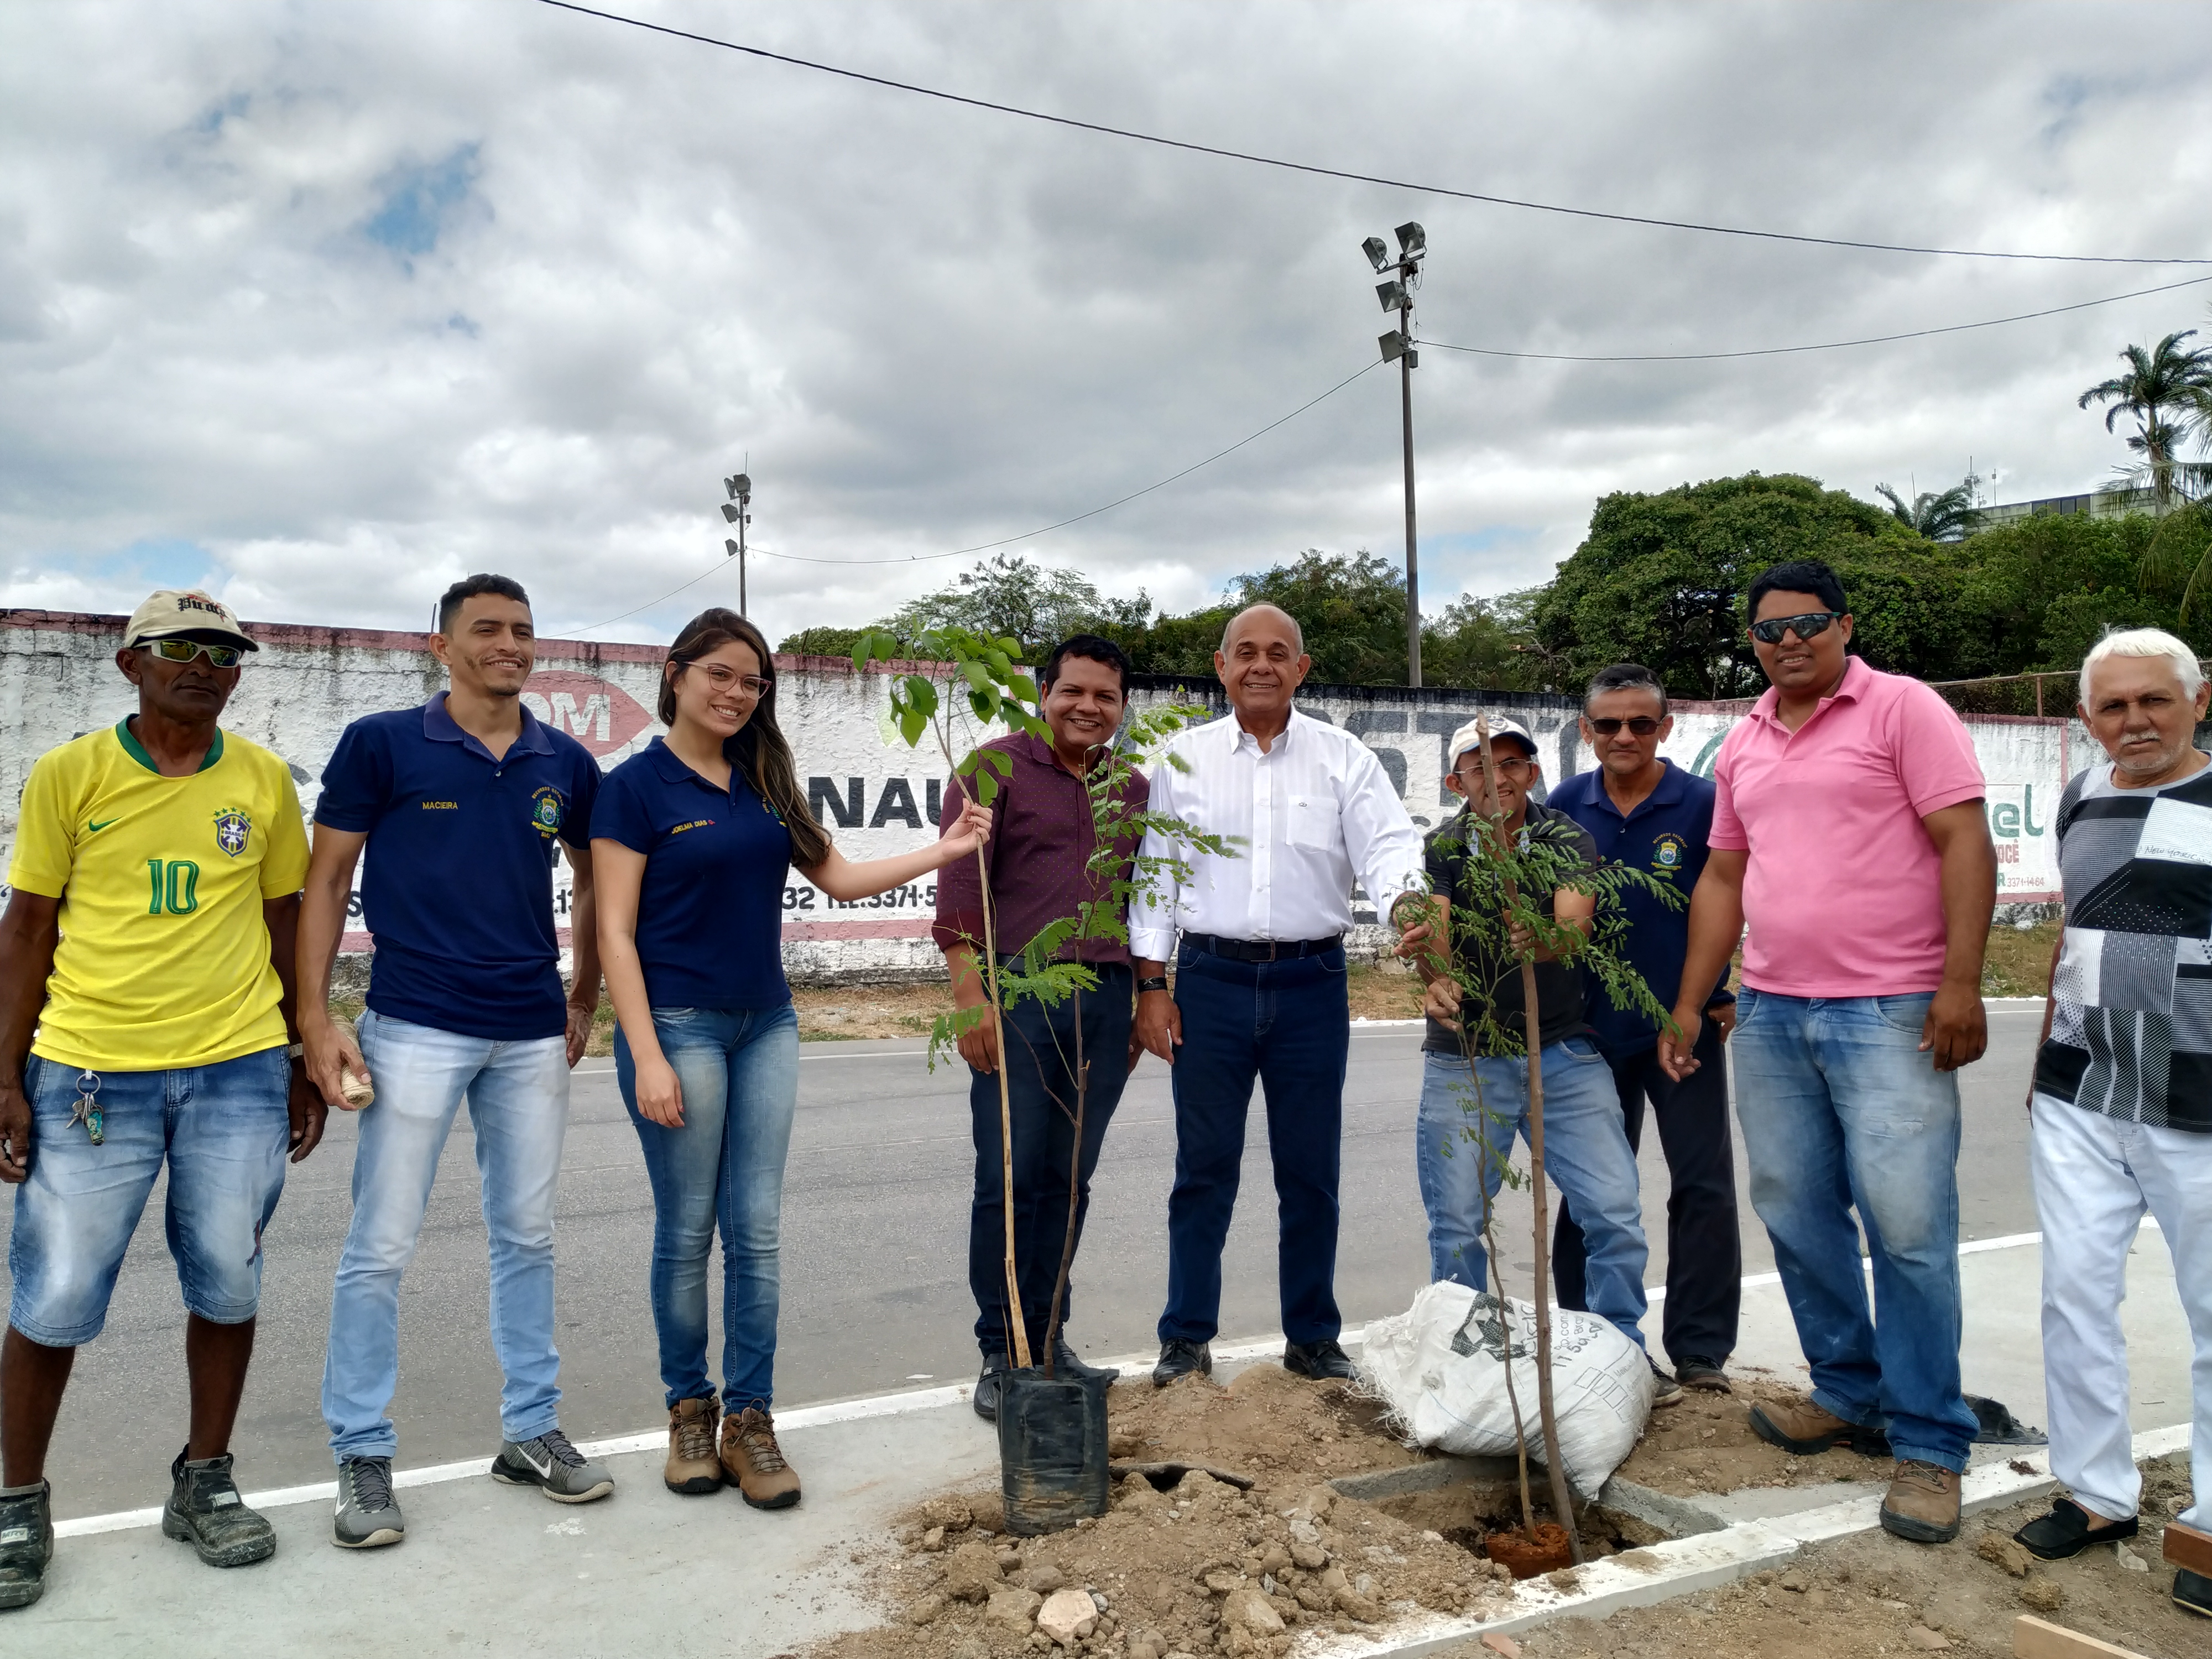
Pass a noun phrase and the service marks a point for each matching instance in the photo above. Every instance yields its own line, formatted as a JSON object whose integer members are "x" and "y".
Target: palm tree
{"x": 1944, "y": 516}
{"x": 2162, "y": 380}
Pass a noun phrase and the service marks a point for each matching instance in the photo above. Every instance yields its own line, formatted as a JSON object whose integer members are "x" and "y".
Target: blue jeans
{"x": 518, "y": 1095}
{"x": 222, "y": 1129}
{"x": 1289, "y": 1025}
{"x": 723, "y": 1168}
{"x": 1040, "y": 1043}
{"x": 1464, "y": 1144}
{"x": 1841, "y": 1110}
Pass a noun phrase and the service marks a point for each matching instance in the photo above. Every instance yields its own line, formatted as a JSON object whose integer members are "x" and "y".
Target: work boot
{"x": 693, "y": 1468}
{"x": 1180, "y": 1359}
{"x": 1800, "y": 1426}
{"x": 205, "y": 1511}
{"x": 27, "y": 1543}
{"x": 755, "y": 1461}
{"x": 1923, "y": 1504}
{"x": 549, "y": 1462}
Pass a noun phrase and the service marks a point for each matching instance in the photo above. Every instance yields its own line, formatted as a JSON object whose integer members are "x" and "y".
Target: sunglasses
{"x": 1811, "y": 623}
{"x": 221, "y": 656}
{"x": 1643, "y": 725}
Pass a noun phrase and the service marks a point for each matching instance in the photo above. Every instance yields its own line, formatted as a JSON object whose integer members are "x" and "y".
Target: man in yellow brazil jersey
{"x": 147, "y": 1017}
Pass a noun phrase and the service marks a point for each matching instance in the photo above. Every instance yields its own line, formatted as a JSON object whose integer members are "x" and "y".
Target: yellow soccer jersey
{"x": 163, "y": 962}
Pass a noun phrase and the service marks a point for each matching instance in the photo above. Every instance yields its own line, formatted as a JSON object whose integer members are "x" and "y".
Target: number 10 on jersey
{"x": 174, "y": 885}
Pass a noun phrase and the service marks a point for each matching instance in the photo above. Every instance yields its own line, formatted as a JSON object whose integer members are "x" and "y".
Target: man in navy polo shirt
{"x": 1653, "y": 816}
{"x": 461, "y": 804}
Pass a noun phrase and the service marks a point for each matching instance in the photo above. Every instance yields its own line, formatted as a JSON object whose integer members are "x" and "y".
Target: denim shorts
{"x": 224, "y": 1131}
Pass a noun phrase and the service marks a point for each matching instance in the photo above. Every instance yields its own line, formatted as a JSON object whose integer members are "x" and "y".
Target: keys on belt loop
{"x": 87, "y": 1110}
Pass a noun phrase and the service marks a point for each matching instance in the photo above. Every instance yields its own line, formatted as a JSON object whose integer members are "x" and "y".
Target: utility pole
{"x": 740, "y": 488}
{"x": 1396, "y": 294}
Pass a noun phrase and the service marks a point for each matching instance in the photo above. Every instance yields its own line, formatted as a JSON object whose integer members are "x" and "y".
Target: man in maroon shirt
{"x": 1042, "y": 837}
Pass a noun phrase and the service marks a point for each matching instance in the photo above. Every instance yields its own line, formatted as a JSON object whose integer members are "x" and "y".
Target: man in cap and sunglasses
{"x": 1643, "y": 810}
{"x": 1473, "y": 1103}
{"x": 1848, "y": 830}
{"x": 146, "y": 1020}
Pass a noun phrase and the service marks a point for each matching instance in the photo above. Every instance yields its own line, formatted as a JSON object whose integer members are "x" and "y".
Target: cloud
{"x": 356, "y": 299}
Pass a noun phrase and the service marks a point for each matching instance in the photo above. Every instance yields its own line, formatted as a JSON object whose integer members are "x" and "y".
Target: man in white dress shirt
{"x": 1260, "y": 986}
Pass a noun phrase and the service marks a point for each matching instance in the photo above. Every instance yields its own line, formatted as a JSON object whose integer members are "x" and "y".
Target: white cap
{"x": 1469, "y": 737}
{"x": 171, "y": 610}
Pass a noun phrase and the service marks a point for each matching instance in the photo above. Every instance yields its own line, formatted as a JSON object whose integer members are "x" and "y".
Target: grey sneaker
{"x": 206, "y": 1511}
{"x": 27, "y": 1544}
{"x": 553, "y": 1466}
{"x": 368, "y": 1516}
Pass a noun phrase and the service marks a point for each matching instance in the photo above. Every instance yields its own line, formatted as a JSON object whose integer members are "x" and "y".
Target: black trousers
{"x": 1704, "y": 1251}
{"x": 1040, "y": 1060}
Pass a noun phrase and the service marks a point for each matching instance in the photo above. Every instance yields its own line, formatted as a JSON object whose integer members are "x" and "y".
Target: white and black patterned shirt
{"x": 2131, "y": 1029}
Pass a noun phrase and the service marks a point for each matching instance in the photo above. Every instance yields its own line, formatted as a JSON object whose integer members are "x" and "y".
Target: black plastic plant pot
{"x": 1052, "y": 1450}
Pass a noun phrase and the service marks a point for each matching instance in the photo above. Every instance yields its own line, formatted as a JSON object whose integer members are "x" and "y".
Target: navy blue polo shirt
{"x": 710, "y": 909}
{"x": 1668, "y": 836}
{"x": 458, "y": 884}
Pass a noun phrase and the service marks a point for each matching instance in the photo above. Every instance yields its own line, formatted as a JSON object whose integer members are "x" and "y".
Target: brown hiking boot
{"x": 1800, "y": 1426}
{"x": 1923, "y": 1504}
{"x": 693, "y": 1468}
{"x": 755, "y": 1461}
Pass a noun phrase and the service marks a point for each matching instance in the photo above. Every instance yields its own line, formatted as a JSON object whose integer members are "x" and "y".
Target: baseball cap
{"x": 175, "y": 611}
{"x": 1501, "y": 726}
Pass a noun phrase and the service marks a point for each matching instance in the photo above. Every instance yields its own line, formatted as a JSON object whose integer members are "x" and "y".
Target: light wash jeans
{"x": 1840, "y": 1111}
{"x": 723, "y": 1168}
{"x": 2094, "y": 1177}
{"x": 1462, "y": 1147}
{"x": 518, "y": 1095}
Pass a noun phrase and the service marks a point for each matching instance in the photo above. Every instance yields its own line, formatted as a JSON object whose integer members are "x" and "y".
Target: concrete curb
{"x": 1682, "y": 1566}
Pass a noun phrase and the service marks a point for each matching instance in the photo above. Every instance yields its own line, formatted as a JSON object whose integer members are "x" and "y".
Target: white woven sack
{"x": 1440, "y": 1367}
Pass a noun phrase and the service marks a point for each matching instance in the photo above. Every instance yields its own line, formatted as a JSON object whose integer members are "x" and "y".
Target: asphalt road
{"x": 875, "y": 1292}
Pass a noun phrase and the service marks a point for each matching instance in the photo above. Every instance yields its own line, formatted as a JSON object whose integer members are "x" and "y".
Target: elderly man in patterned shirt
{"x": 2122, "y": 1101}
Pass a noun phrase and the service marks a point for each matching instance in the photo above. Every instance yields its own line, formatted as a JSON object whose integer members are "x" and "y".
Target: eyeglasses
{"x": 1643, "y": 725}
{"x": 221, "y": 656}
{"x": 1509, "y": 766}
{"x": 728, "y": 679}
{"x": 1811, "y": 624}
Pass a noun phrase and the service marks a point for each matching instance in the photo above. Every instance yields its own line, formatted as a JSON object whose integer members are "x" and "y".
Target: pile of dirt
{"x": 1705, "y": 1444}
{"x": 1873, "y": 1594}
{"x": 1200, "y": 1568}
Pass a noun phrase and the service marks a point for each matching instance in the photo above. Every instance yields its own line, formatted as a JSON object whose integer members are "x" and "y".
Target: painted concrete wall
{"x": 57, "y": 680}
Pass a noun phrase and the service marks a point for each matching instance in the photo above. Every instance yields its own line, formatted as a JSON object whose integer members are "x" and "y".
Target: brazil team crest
{"x": 548, "y": 811}
{"x": 231, "y": 828}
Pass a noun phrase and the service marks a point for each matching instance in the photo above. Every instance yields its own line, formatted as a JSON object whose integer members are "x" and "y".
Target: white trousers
{"x": 2094, "y": 1177}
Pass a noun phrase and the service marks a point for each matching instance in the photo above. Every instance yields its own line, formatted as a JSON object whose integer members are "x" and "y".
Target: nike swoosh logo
{"x": 546, "y": 1467}
{"x": 96, "y": 828}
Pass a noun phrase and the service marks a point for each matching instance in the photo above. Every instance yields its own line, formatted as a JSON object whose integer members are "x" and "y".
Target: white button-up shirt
{"x": 1306, "y": 815}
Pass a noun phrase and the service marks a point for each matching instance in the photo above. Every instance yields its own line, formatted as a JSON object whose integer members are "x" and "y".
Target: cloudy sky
{"x": 324, "y": 304}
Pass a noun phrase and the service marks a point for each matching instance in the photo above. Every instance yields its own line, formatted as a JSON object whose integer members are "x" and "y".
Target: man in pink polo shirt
{"x": 1849, "y": 830}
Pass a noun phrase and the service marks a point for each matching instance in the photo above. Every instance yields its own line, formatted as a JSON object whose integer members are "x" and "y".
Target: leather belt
{"x": 1262, "y": 950}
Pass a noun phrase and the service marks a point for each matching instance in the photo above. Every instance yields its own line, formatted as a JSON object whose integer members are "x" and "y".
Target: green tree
{"x": 1009, "y": 597}
{"x": 1947, "y": 515}
{"x": 1351, "y": 607}
{"x": 1661, "y": 577}
{"x": 2165, "y": 381}
{"x": 1485, "y": 644}
{"x": 822, "y": 642}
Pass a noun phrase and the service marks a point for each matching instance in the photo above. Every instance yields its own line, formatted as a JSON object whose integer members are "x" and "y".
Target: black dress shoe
{"x": 1066, "y": 1363}
{"x": 1322, "y": 1361}
{"x": 2192, "y": 1593}
{"x": 995, "y": 1366}
{"x": 1695, "y": 1371}
{"x": 2065, "y": 1532}
{"x": 1180, "y": 1359}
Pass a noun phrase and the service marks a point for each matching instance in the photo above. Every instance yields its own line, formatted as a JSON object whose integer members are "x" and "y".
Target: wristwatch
{"x": 1157, "y": 983}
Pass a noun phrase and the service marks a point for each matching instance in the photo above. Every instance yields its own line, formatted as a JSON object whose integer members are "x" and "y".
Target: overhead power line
{"x": 1005, "y": 541}
{"x": 1783, "y": 351}
{"x": 1347, "y": 174}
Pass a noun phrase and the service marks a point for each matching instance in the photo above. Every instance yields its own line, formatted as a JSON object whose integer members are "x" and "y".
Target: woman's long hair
{"x": 758, "y": 750}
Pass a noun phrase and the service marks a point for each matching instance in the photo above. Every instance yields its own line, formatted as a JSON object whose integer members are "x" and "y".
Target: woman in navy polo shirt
{"x": 692, "y": 840}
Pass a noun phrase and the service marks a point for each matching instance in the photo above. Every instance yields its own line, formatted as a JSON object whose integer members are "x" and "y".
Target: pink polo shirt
{"x": 1842, "y": 891}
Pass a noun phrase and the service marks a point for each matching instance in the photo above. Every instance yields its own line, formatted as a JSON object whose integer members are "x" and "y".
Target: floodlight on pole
{"x": 737, "y": 510}
{"x": 1397, "y": 347}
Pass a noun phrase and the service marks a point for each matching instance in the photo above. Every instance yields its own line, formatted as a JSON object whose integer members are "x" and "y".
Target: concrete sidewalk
{"x": 498, "y": 1570}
